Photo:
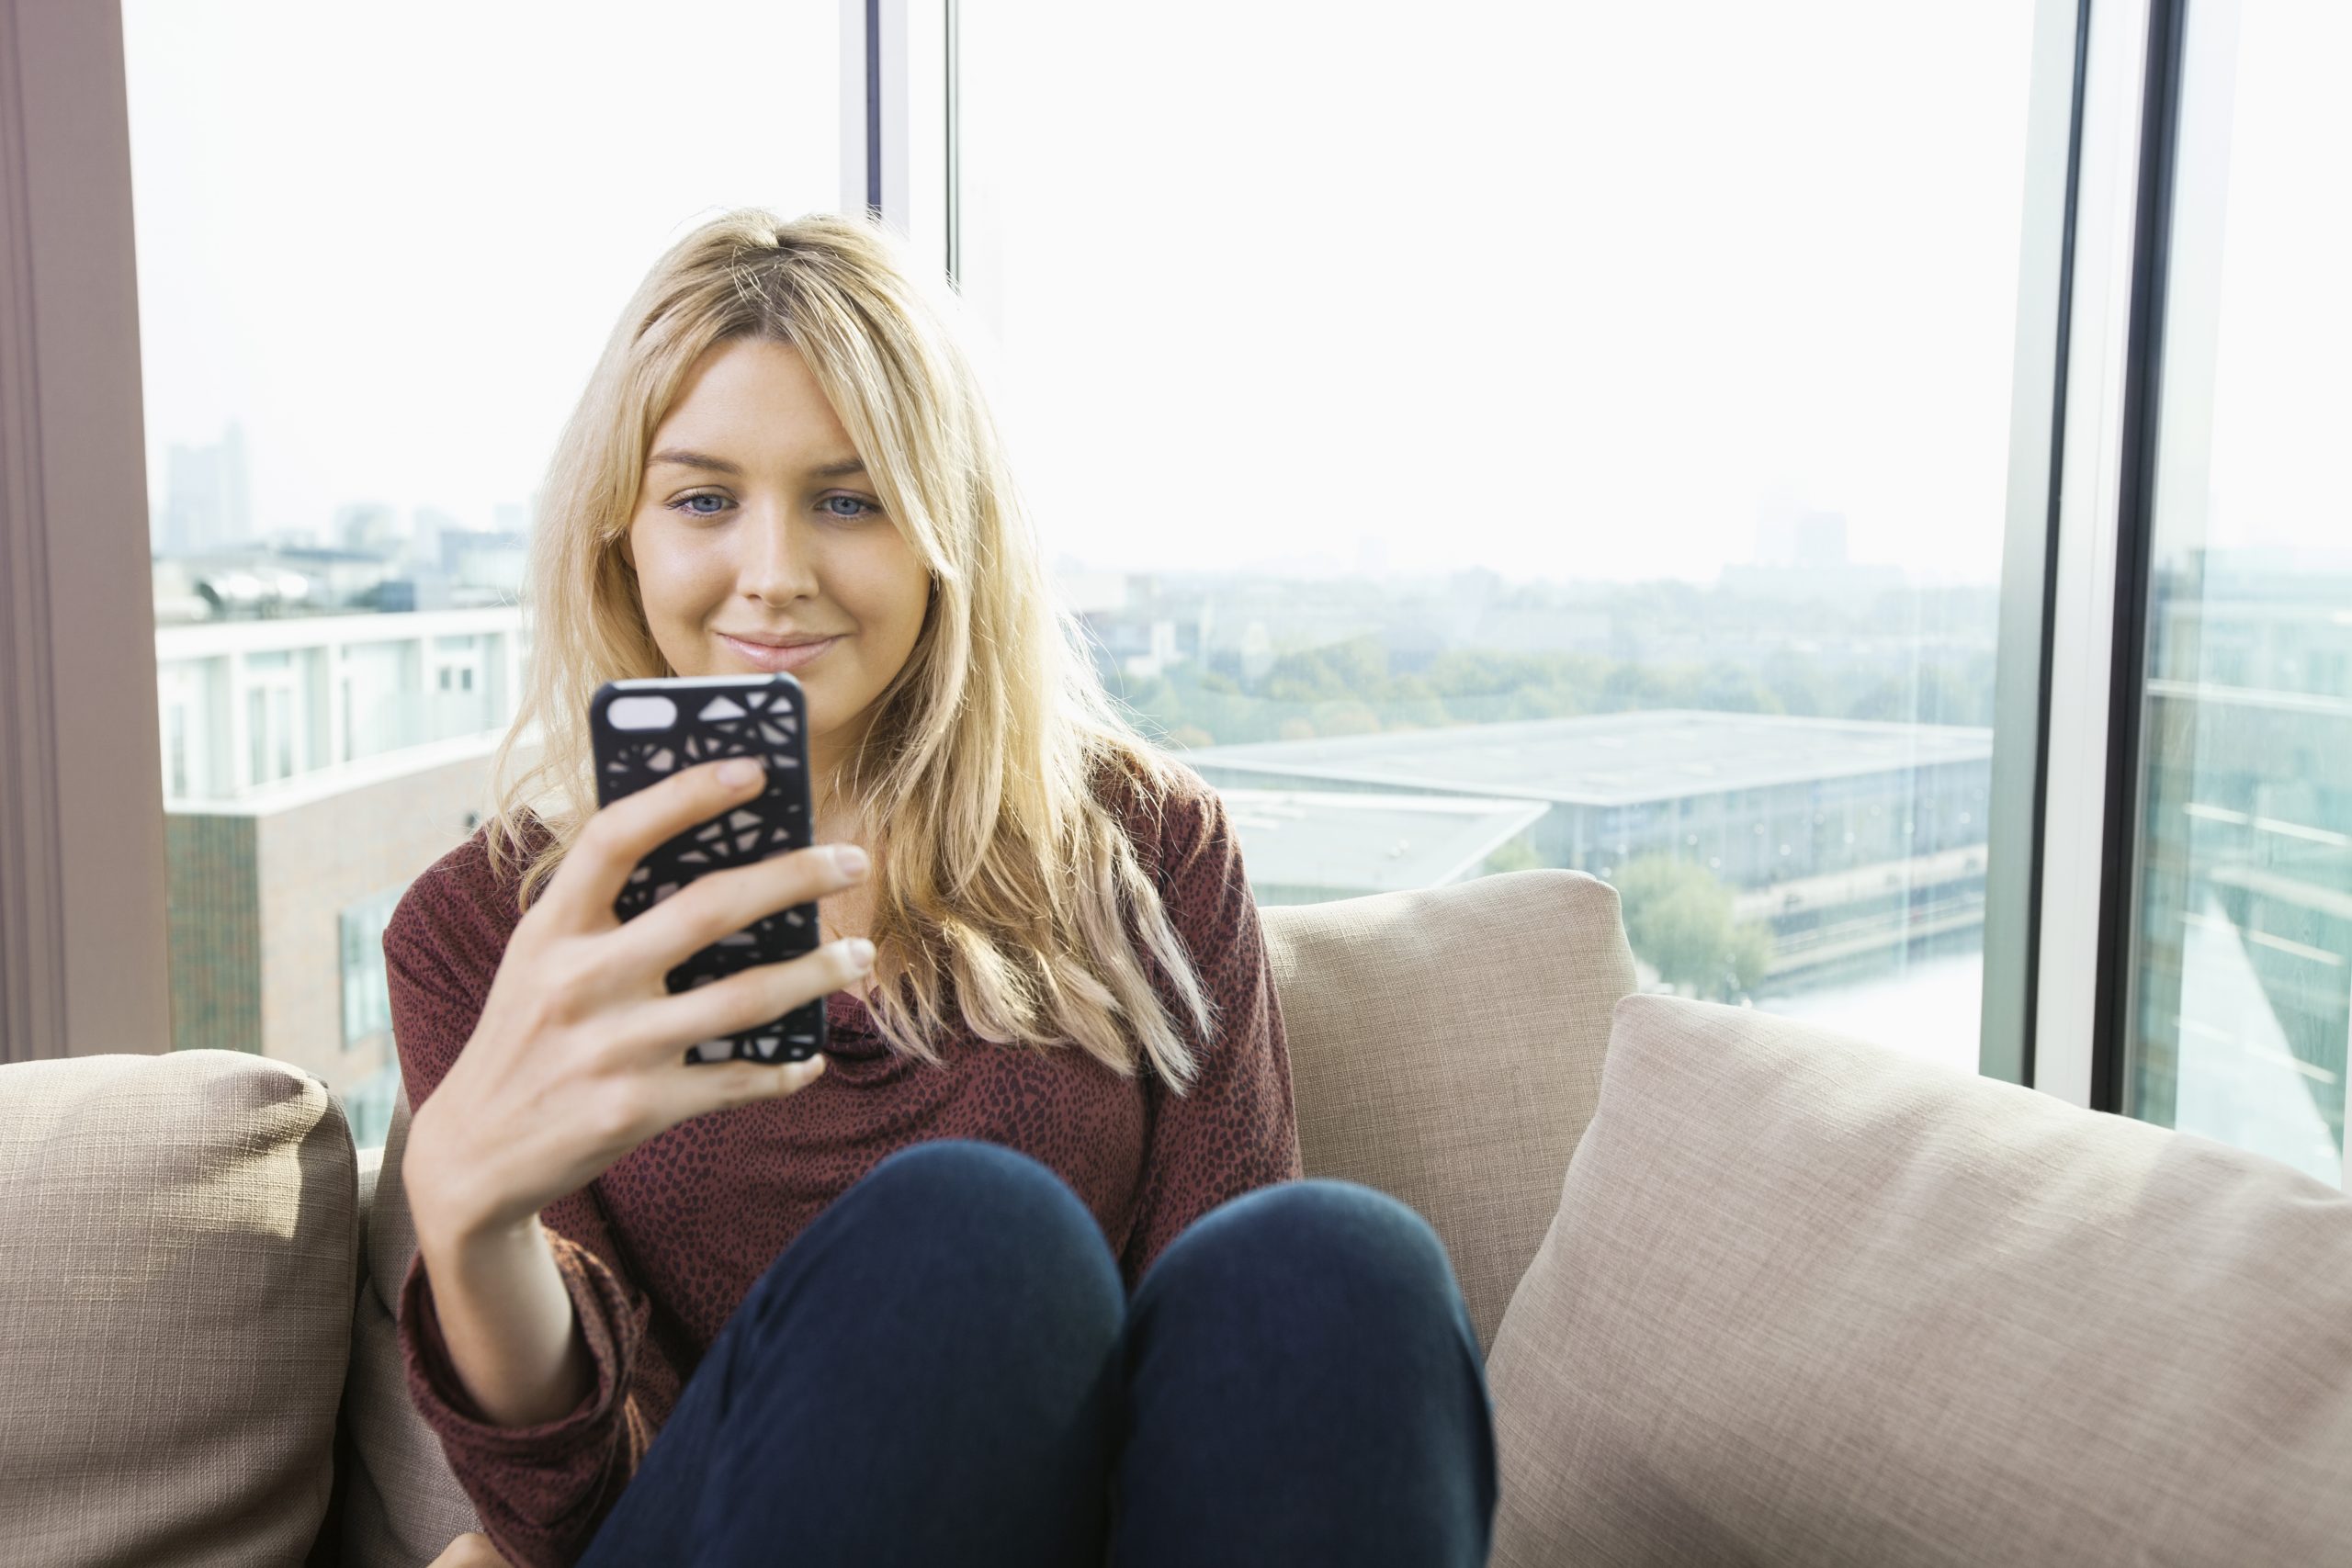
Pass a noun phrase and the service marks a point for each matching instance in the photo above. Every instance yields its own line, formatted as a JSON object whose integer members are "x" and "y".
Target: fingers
{"x": 662, "y": 1029}
{"x": 726, "y": 902}
{"x": 698, "y": 1090}
{"x": 581, "y": 895}
{"x": 471, "y": 1549}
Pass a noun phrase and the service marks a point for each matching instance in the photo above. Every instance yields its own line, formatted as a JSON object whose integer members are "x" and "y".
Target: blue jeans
{"x": 944, "y": 1369}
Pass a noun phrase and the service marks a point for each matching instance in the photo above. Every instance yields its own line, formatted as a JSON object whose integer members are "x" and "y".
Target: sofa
{"x": 1749, "y": 1291}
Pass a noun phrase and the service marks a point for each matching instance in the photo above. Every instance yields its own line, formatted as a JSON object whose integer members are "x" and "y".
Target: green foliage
{"x": 1751, "y": 955}
{"x": 1929, "y": 695}
{"x": 1514, "y": 854}
{"x": 1352, "y": 687}
{"x": 1678, "y": 918}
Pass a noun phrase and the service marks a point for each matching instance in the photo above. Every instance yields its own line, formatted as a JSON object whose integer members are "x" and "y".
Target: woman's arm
{"x": 532, "y": 1460}
{"x": 538, "y": 1052}
{"x": 505, "y": 1316}
{"x": 1235, "y": 1128}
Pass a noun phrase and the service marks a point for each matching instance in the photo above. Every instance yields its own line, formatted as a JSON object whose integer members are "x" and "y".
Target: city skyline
{"x": 1788, "y": 540}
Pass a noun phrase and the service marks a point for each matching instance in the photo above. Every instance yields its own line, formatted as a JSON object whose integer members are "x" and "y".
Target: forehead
{"x": 753, "y": 398}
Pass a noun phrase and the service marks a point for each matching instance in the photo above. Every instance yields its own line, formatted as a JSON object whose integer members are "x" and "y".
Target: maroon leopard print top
{"x": 658, "y": 1251}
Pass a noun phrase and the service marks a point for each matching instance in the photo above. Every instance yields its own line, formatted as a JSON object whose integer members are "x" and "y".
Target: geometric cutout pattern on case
{"x": 761, "y": 717}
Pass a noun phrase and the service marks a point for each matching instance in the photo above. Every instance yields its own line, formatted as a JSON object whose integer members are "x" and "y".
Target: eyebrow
{"x": 679, "y": 458}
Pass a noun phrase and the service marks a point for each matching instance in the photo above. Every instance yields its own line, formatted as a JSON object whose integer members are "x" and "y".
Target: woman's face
{"x": 759, "y": 543}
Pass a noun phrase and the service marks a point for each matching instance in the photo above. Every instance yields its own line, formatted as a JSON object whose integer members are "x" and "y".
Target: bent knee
{"x": 958, "y": 1227}
{"x": 1338, "y": 1234}
{"x": 968, "y": 1176}
{"x": 954, "y": 1196}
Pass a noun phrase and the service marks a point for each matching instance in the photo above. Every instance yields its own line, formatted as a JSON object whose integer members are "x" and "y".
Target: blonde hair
{"x": 993, "y": 777}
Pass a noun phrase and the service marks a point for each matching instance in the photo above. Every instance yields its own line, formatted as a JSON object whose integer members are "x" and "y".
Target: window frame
{"x": 2023, "y": 651}
{"x": 2135, "y": 527}
{"x": 83, "y": 957}
{"x": 2084, "y": 822}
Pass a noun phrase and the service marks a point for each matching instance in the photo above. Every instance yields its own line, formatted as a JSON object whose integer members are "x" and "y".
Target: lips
{"x": 792, "y": 641}
{"x": 774, "y": 655}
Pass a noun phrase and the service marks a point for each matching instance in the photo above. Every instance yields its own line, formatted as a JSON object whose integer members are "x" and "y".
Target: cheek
{"x": 909, "y": 600}
{"x": 889, "y": 591}
{"x": 679, "y": 607}
{"x": 675, "y": 583}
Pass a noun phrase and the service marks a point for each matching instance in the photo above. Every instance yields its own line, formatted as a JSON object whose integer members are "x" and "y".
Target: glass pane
{"x": 2242, "y": 976}
{"x": 379, "y": 253}
{"x": 1578, "y": 443}
{"x": 366, "y": 1000}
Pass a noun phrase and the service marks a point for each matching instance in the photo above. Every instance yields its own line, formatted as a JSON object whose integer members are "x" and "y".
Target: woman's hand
{"x": 471, "y": 1550}
{"x": 578, "y": 1056}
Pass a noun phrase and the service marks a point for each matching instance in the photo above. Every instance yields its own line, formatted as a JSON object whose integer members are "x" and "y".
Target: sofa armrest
{"x": 177, "y": 1249}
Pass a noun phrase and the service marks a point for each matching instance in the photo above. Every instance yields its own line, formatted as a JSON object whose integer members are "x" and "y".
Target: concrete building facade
{"x": 313, "y": 766}
{"x": 247, "y": 705}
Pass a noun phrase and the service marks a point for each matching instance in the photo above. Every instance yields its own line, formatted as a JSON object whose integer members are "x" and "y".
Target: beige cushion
{"x": 178, "y": 1244}
{"x": 401, "y": 1505}
{"x": 1445, "y": 1048}
{"x": 1807, "y": 1301}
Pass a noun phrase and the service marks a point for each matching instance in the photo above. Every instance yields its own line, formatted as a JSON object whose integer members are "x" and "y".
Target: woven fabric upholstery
{"x": 401, "y": 1505}
{"x": 1445, "y": 1048}
{"x": 177, "y": 1248}
{"x": 1810, "y": 1301}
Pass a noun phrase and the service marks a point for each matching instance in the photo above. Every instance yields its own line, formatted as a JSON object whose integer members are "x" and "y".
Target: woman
{"x": 1026, "y": 1272}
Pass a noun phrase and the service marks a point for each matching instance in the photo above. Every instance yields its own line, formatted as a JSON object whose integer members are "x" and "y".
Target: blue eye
{"x": 686, "y": 504}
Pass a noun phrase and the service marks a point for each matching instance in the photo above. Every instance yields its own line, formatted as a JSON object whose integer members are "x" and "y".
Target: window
{"x": 176, "y": 748}
{"x": 1674, "y": 519}
{"x": 2240, "y": 998}
{"x": 374, "y": 273}
{"x": 1588, "y": 442}
{"x": 366, "y": 1005}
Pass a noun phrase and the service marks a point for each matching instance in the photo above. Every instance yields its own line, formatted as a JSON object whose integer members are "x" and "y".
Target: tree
{"x": 1797, "y": 683}
{"x": 1729, "y": 688}
{"x": 1678, "y": 918}
{"x": 1751, "y": 956}
{"x": 1346, "y": 719}
{"x": 1515, "y": 853}
{"x": 1928, "y": 695}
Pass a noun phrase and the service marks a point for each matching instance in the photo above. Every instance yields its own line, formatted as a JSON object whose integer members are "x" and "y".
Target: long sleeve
{"x": 542, "y": 1491}
{"x": 1235, "y": 1128}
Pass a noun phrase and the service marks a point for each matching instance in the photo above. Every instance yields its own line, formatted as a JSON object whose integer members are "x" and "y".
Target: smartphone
{"x": 643, "y": 731}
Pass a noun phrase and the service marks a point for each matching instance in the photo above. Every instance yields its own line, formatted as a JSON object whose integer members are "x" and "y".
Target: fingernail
{"x": 737, "y": 771}
{"x": 849, "y": 858}
{"x": 860, "y": 951}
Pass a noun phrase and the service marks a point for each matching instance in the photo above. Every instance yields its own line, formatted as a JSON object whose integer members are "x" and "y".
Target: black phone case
{"x": 721, "y": 716}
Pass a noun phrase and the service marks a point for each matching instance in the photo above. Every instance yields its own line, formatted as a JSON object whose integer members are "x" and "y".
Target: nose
{"x": 778, "y": 566}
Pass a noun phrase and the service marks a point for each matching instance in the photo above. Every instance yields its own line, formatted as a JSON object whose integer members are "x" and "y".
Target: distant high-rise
{"x": 207, "y": 499}
{"x": 1801, "y": 557}
{"x": 428, "y": 524}
{"x": 369, "y": 525}
{"x": 1810, "y": 539}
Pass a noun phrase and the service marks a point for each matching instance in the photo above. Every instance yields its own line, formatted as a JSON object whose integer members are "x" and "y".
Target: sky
{"x": 2261, "y": 324}
{"x": 392, "y": 239}
{"x": 1585, "y": 290}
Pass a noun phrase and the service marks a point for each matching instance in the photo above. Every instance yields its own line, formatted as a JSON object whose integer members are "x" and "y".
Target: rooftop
{"x": 1619, "y": 759}
{"x": 1367, "y": 843}
{"x": 208, "y": 639}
